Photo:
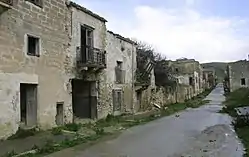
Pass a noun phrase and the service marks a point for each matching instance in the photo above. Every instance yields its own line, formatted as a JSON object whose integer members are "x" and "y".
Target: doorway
{"x": 28, "y": 102}
{"x": 84, "y": 101}
{"x": 59, "y": 114}
{"x": 139, "y": 99}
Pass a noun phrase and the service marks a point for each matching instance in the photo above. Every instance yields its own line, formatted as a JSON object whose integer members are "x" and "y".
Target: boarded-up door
{"x": 31, "y": 104}
{"x": 118, "y": 100}
{"x": 81, "y": 98}
{"x": 59, "y": 114}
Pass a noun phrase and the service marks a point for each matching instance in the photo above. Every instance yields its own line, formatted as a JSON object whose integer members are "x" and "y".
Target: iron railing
{"x": 90, "y": 57}
{"x": 9, "y": 2}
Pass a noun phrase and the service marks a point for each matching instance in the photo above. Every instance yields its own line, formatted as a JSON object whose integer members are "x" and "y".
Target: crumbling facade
{"x": 188, "y": 72}
{"x": 237, "y": 75}
{"x": 58, "y": 64}
{"x": 34, "y": 82}
{"x": 105, "y": 63}
{"x": 209, "y": 79}
{"x": 88, "y": 57}
{"x": 120, "y": 73}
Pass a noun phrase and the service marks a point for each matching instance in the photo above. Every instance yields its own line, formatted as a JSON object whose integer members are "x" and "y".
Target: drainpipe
{"x": 132, "y": 79}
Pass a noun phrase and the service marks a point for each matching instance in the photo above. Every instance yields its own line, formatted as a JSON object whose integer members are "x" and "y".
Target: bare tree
{"x": 163, "y": 72}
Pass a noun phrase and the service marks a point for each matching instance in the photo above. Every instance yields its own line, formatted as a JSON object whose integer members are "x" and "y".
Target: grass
{"x": 241, "y": 125}
{"x": 111, "y": 121}
{"x": 239, "y": 98}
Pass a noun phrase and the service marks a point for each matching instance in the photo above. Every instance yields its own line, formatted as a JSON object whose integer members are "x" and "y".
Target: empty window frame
{"x": 120, "y": 73}
{"x": 191, "y": 81}
{"x": 119, "y": 64}
{"x": 87, "y": 36}
{"x": 243, "y": 81}
{"x": 33, "y": 46}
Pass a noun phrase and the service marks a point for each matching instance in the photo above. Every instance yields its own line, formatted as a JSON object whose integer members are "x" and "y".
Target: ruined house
{"x": 121, "y": 66}
{"x": 145, "y": 87}
{"x": 208, "y": 78}
{"x": 88, "y": 57}
{"x": 34, "y": 82}
{"x": 238, "y": 75}
{"x": 105, "y": 64}
{"x": 189, "y": 73}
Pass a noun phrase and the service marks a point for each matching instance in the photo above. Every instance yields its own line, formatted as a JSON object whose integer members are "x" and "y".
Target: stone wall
{"x": 183, "y": 69}
{"x": 50, "y": 70}
{"x": 237, "y": 71}
{"x": 118, "y": 50}
{"x": 81, "y": 18}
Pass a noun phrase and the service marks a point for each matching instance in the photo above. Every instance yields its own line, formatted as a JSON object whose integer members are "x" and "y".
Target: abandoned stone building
{"x": 145, "y": 87}
{"x": 121, "y": 66}
{"x": 188, "y": 72}
{"x": 88, "y": 59}
{"x": 34, "y": 82}
{"x": 58, "y": 64}
{"x": 105, "y": 63}
{"x": 58, "y": 61}
{"x": 208, "y": 78}
{"x": 238, "y": 75}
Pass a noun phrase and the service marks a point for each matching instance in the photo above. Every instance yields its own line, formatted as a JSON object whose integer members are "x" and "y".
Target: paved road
{"x": 198, "y": 132}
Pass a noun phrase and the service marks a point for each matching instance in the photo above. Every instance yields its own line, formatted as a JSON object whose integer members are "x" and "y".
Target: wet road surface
{"x": 200, "y": 132}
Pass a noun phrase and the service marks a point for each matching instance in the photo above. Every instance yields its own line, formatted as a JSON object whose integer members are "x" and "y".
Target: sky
{"x": 205, "y": 30}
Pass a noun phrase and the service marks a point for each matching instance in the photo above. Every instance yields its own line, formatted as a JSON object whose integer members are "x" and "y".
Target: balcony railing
{"x": 91, "y": 57}
{"x": 6, "y": 2}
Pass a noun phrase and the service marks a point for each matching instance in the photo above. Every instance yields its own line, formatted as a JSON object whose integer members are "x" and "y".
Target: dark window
{"x": 36, "y": 2}
{"x": 176, "y": 69}
{"x": 33, "y": 46}
{"x": 86, "y": 36}
{"x": 119, "y": 64}
{"x": 191, "y": 81}
{"x": 243, "y": 81}
{"x": 120, "y": 73}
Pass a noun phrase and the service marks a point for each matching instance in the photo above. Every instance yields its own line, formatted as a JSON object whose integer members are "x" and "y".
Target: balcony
{"x": 5, "y": 5}
{"x": 90, "y": 57}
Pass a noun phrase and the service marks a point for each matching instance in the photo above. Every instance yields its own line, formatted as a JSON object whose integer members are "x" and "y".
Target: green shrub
{"x": 99, "y": 131}
{"x": 72, "y": 127}
{"x": 241, "y": 121}
{"x": 57, "y": 131}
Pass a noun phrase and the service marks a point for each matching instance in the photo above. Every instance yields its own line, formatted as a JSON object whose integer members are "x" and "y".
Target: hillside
{"x": 219, "y": 68}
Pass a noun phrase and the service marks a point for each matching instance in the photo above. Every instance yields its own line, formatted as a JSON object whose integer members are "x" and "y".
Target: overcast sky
{"x": 206, "y": 30}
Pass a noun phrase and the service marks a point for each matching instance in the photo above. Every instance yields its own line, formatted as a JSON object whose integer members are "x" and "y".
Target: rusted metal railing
{"x": 91, "y": 57}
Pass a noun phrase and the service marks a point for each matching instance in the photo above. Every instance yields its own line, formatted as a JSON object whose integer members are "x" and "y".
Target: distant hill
{"x": 219, "y": 68}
